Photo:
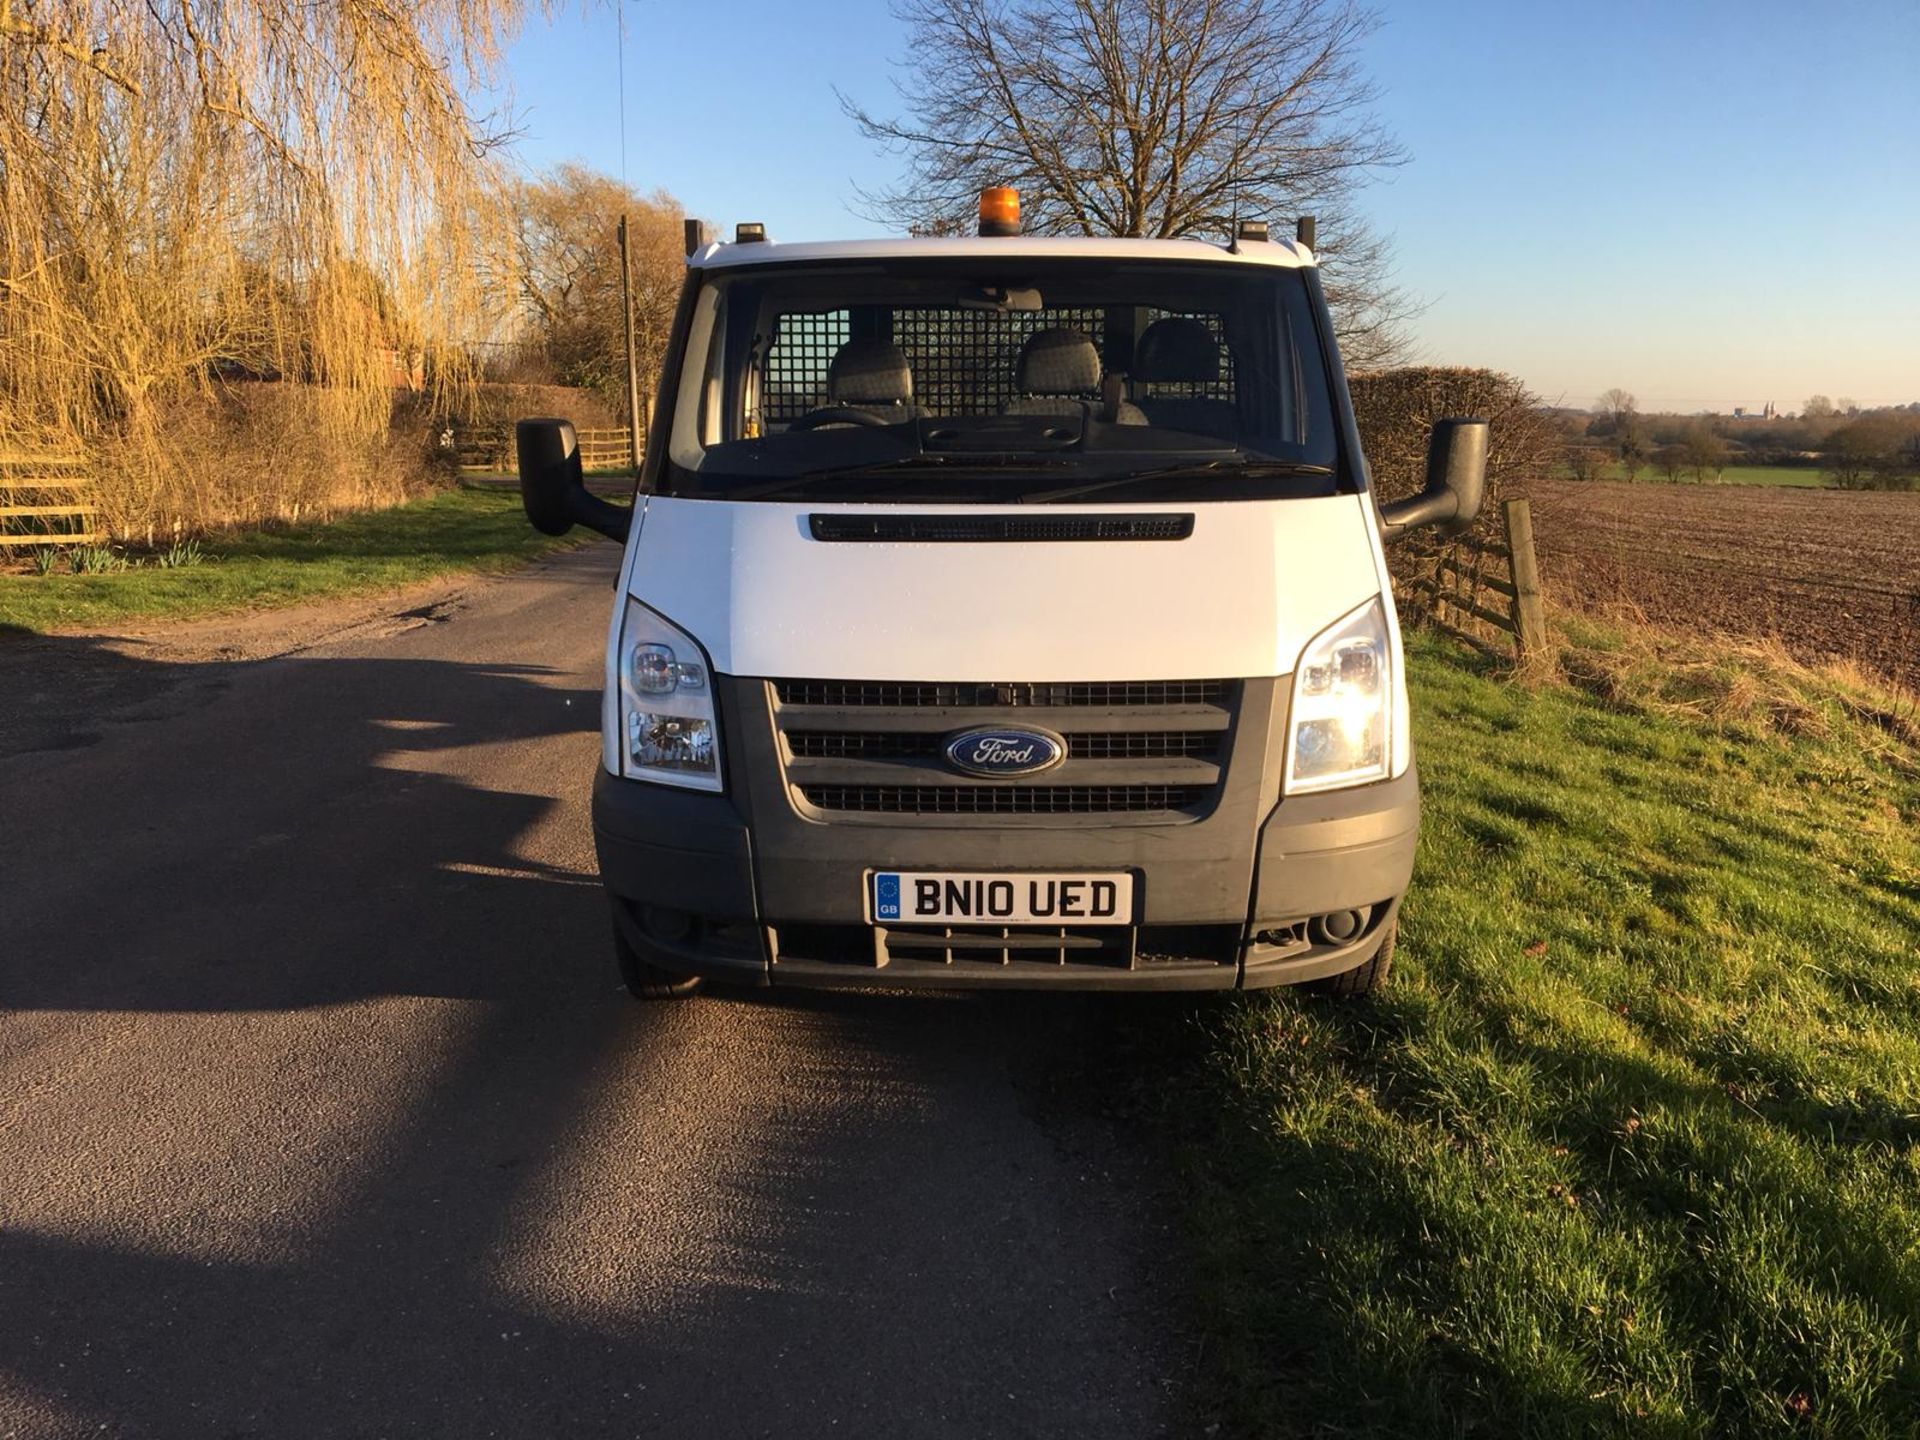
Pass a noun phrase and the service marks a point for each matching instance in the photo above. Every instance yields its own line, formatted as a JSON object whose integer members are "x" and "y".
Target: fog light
{"x": 1337, "y": 928}
{"x": 665, "y": 924}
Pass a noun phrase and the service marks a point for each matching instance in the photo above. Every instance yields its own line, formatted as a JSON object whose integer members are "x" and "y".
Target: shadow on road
{"x": 248, "y": 862}
{"x": 342, "y": 932}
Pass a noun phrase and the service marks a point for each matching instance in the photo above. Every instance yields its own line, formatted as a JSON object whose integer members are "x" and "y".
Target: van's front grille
{"x": 1003, "y": 799}
{"x": 1154, "y": 751}
{"x": 920, "y": 694}
{"x": 893, "y": 745}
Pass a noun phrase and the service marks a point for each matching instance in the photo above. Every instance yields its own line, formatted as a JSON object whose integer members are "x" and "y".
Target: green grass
{"x": 446, "y": 533}
{"x": 1799, "y": 477}
{"x": 1794, "y": 476}
{"x": 1629, "y": 1145}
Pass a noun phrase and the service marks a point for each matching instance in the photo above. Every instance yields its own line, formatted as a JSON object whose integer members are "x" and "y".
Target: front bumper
{"x": 712, "y": 885}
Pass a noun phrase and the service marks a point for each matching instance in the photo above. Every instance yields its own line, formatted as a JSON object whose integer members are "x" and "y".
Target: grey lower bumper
{"x": 1219, "y": 910}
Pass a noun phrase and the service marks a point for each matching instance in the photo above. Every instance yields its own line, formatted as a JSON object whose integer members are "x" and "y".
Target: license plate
{"x": 943, "y": 897}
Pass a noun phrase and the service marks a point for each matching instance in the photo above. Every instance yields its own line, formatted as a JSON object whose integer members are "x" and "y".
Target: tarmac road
{"x": 320, "y": 1114}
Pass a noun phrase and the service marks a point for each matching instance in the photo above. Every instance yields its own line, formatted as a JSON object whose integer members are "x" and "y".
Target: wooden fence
{"x": 1488, "y": 592}
{"x": 47, "y": 500}
{"x": 488, "y": 449}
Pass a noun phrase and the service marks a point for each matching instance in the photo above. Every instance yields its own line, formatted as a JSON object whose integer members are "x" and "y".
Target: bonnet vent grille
{"x": 1003, "y": 529}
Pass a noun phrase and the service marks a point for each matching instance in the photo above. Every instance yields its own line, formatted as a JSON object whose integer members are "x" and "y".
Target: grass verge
{"x": 1629, "y": 1146}
{"x": 448, "y": 532}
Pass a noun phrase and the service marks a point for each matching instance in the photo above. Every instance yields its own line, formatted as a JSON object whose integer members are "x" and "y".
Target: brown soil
{"x": 1831, "y": 574}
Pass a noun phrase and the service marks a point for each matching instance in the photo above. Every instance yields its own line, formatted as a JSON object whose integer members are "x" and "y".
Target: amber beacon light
{"x": 999, "y": 210}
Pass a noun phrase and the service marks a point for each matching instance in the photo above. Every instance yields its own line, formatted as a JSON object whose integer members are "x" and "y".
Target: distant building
{"x": 406, "y": 369}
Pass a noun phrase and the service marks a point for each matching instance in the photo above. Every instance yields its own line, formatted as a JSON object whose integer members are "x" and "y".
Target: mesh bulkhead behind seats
{"x": 1181, "y": 353}
{"x": 874, "y": 376}
{"x": 1059, "y": 374}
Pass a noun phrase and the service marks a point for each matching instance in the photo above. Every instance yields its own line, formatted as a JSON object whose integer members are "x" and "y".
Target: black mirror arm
{"x": 1401, "y": 518}
{"x": 612, "y": 521}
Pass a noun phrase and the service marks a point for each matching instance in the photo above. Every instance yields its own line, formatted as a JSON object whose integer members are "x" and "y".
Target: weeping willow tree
{"x": 199, "y": 196}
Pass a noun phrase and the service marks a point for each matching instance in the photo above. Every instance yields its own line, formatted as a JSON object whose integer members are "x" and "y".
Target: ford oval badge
{"x": 1004, "y": 753}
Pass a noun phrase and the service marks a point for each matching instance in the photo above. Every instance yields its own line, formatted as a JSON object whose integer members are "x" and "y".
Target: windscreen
{"x": 965, "y": 383}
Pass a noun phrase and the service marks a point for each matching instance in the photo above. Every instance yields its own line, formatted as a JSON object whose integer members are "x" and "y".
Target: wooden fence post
{"x": 1529, "y": 615}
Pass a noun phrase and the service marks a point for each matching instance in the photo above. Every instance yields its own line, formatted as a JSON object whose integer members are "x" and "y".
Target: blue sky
{"x": 1710, "y": 204}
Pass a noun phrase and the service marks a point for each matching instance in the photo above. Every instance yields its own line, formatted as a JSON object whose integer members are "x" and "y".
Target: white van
{"x": 1004, "y": 611}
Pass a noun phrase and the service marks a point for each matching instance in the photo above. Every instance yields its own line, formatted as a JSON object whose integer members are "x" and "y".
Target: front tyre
{"x": 645, "y": 977}
{"x": 1368, "y": 978}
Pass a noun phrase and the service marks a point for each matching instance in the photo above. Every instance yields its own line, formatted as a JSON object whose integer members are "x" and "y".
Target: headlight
{"x": 1340, "y": 726}
{"x": 668, "y": 730}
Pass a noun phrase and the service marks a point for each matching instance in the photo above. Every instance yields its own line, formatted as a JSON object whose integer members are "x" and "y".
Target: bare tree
{"x": 1632, "y": 449}
{"x": 1616, "y": 404}
{"x": 1818, "y": 407}
{"x": 566, "y": 270}
{"x": 1585, "y": 462}
{"x": 1158, "y": 118}
{"x": 1705, "y": 451}
{"x": 1618, "y": 415}
{"x": 1879, "y": 451}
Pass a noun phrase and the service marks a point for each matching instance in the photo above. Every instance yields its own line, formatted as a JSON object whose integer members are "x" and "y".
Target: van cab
{"x": 1004, "y": 611}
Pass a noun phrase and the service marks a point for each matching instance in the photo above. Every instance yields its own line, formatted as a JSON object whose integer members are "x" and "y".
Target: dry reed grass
{"x": 253, "y": 454}
{"x": 1731, "y": 683}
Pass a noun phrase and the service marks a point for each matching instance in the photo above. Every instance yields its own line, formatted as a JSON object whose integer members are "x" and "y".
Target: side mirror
{"x": 552, "y": 487}
{"x": 1456, "y": 483}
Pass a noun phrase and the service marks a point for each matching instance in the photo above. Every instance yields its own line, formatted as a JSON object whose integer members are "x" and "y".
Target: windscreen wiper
{"x": 1205, "y": 470}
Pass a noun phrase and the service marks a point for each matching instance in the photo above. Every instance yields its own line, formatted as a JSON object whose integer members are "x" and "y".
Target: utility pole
{"x": 633, "y": 365}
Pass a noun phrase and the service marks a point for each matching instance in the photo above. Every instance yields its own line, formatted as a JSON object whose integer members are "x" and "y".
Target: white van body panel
{"x": 1239, "y": 598}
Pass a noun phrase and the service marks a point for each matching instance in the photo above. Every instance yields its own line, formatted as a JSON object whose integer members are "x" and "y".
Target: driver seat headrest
{"x": 870, "y": 372}
{"x": 1177, "y": 350}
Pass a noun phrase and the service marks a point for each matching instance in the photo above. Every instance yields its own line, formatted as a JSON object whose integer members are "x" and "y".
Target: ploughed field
{"x": 1830, "y": 573}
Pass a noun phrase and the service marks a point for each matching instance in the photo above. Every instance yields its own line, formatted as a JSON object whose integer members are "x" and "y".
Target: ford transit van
{"x": 1004, "y": 611}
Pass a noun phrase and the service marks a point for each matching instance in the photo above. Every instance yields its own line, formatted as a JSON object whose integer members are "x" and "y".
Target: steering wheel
{"x": 840, "y": 415}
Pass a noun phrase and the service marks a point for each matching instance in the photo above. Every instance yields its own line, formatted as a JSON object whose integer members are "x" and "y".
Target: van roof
{"x": 1288, "y": 253}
